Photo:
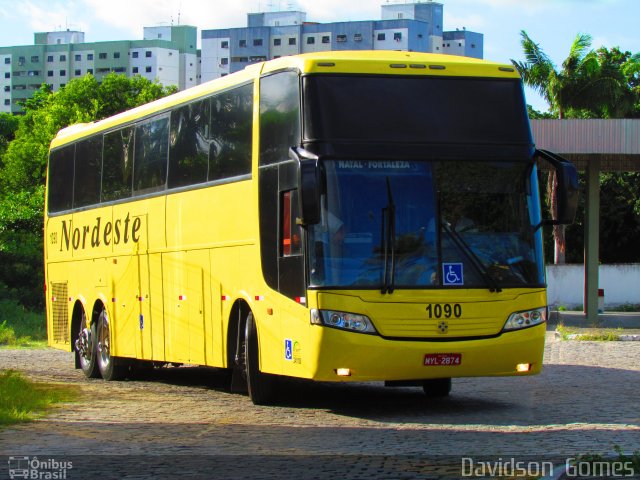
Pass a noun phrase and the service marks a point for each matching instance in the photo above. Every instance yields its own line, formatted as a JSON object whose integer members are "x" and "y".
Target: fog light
{"x": 343, "y": 372}
{"x": 523, "y": 367}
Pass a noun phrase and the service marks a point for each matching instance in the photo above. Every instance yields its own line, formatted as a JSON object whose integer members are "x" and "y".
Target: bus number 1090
{"x": 446, "y": 310}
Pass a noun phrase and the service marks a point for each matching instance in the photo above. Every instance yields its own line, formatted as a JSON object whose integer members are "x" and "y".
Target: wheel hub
{"x": 83, "y": 343}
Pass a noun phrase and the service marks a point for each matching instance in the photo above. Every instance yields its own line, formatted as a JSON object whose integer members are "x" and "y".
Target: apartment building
{"x": 167, "y": 54}
{"x": 403, "y": 26}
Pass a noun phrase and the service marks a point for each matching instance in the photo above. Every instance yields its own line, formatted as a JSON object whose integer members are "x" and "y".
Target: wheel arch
{"x": 235, "y": 329}
{"x": 76, "y": 319}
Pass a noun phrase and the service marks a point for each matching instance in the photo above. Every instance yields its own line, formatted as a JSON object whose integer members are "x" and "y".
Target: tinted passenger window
{"x": 231, "y": 130}
{"x": 279, "y": 116}
{"x": 189, "y": 145}
{"x": 117, "y": 164}
{"x": 88, "y": 170}
{"x": 151, "y": 154}
{"x": 61, "y": 179}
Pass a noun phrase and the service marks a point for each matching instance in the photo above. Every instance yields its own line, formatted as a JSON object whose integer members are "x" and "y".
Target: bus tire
{"x": 261, "y": 386}
{"x": 437, "y": 387}
{"x": 108, "y": 365}
{"x": 85, "y": 346}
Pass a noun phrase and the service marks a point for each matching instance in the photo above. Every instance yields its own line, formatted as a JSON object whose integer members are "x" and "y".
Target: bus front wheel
{"x": 437, "y": 387}
{"x": 108, "y": 365}
{"x": 261, "y": 386}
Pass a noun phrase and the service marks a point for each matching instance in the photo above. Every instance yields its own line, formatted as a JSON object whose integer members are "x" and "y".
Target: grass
{"x": 20, "y": 327}
{"x": 604, "y": 335}
{"x": 624, "y": 307}
{"x": 628, "y": 307}
{"x": 22, "y": 400}
{"x": 629, "y": 462}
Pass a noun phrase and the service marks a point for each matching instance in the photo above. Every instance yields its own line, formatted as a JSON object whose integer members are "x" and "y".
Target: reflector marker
{"x": 182, "y": 297}
{"x": 114, "y": 300}
{"x": 301, "y": 300}
{"x": 259, "y": 298}
{"x": 224, "y": 298}
{"x": 53, "y": 299}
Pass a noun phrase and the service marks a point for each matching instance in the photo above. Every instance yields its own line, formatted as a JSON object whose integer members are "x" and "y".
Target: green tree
{"x": 589, "y": 84}
{"x": 8, "y": 127}
{"x": 23, "y": 167}
{"x": 619, "y": 97}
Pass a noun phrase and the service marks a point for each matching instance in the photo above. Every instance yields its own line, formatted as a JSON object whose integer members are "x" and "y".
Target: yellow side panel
{"x": 183, "y": 280}
{"x": 197, "y": 285}
{"x": 176, "y": 332}
{"x": 215, "y": 345}
{"x": 125, "y": 321}
{"x": 155, "y": 314}
{"x": 151, "y": 307}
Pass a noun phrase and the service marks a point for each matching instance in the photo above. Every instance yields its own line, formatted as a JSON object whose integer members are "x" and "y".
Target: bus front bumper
{"x": 346, "y": 356}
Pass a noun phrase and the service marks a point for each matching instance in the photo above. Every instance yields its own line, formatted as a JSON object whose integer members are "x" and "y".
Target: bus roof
{"x": 375, "y": 62}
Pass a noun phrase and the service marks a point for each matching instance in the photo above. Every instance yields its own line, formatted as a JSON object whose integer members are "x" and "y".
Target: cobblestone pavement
{"x": 182, "y": 421}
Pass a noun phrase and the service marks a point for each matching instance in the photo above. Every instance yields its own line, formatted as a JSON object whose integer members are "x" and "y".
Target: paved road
{"x": 182, "y": 420}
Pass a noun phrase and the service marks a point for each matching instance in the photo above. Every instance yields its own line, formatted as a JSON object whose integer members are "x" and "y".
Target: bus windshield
{"x": 421, "y": 224}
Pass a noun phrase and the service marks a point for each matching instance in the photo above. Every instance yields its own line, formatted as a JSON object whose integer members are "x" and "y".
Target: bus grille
{"x": 60, "y": 309}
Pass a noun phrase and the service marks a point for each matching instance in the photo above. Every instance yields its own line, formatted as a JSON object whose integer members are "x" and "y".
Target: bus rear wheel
{"x": 108, "y": 365}
{"x": 86, "y": 349}
{"x": 261, "y": 386}
{"x": 437, "y": 387}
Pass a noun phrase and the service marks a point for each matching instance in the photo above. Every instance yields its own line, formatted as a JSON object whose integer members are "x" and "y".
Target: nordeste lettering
{"x": 122, "y": 230}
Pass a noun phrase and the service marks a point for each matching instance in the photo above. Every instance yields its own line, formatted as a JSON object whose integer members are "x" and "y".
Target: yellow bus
{"x": 336, "y": 216}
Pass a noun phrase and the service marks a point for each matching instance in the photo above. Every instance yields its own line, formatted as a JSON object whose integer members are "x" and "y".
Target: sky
{"x": 551, "y": 23}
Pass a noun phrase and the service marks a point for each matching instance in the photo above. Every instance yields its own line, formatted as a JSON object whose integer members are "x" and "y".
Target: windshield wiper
{"x": 389, "y": 243}
{"x": 471, "y": 255}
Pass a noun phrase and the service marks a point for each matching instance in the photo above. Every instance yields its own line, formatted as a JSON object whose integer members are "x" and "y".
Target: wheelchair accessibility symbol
{"x": 452, "y": 274}
{"x": 288, "y": 349}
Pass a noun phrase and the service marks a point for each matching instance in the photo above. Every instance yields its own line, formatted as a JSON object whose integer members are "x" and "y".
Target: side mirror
{"x": 309, "y": 185}
{"x": 566, "y": 188}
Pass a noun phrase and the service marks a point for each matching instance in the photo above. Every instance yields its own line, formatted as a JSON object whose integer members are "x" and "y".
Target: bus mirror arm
{"x": 566, "y": 188}
{"x": 309, "y": 185}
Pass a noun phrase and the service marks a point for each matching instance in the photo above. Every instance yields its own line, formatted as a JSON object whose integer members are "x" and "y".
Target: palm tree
{"x": 573, "y": 86}
{"x": 578, "y": 85}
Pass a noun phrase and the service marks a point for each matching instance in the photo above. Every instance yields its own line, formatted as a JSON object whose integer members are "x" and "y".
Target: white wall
{"x": 212, "y": 55}
{"x": 621, "y": 284}
{"x": 389, "y": 43}
{"x": 5, "y": 82}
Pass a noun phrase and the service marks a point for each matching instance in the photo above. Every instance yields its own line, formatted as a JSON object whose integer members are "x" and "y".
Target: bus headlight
{"x": 343, "y": 320}
{"x": 525, "y": 319}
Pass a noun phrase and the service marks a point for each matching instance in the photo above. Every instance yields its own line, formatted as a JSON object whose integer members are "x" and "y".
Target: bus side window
{"x": 189, "y": 145}
{"x": 117, "y": 164}
{"x": 279, "y": 116}
{"x": 86, "y": 190}
{"x": 231, "y": 130}
{"x": 61, "y": 179}
{"x": 151, "y": 155}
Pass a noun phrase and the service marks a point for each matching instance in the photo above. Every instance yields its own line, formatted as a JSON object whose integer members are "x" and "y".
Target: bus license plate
{"x": 442, "y": 359}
